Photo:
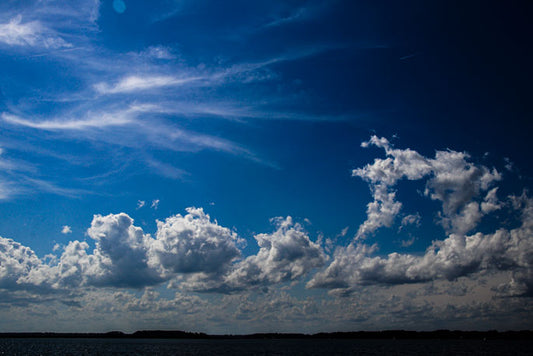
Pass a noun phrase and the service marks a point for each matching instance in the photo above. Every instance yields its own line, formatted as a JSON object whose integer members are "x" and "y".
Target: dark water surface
{"x": 32, "y": 347}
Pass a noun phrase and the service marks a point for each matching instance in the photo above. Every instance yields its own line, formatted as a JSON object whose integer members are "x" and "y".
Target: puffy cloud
{"x": 453, "y": 180}
{"x": 192, "y": 243}
{"x": 380, "y": 213}
{"x": 191, "y": 251}
{"x": 66, "y": 230}
{"x": 456, "y": 256}
{"x": 455, "y": 183}
{"x": 75, "y": 265}
{"x": 491, "y": 203}
{"x": 119, "y": 259}
{"x": 121, "y": 250}
{"x": 458, "y": 184}
{"x": 285, "y": 255}
{"x": 412, "y": 219}
{"x": 382, "y": 175}
{"x": 18, "y": 265}
{"x": 409, "y": 242}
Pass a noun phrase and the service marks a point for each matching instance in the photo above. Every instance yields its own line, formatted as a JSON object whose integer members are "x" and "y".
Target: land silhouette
{"x": 385, "y": 334}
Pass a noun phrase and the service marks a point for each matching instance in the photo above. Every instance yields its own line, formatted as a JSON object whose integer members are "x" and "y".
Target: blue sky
{"x": 264, "y": 166}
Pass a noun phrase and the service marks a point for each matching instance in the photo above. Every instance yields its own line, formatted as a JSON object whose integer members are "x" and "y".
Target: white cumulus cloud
{"x": 193, "y": 243}
{"x": 457, "y": 255}
{"x": 284, "y": 255}
{"x": 452, "y": 180}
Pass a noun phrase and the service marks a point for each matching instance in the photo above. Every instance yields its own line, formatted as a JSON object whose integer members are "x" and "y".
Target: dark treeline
{"x": 387, "y": 334}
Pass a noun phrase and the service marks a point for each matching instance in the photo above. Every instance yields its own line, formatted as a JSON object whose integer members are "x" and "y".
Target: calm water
{"x": 32, "y": 347}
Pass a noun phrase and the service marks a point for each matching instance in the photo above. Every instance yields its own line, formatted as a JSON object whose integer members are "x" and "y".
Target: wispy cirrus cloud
{"x": 12, "y": 174}
{"x": 158, "y": 52}
{"x": 137, "y": 127}
{"x": 30, "y": 34}
{"x": 137, "y": 83}
{"x": 137, "y": 100}
{"x": 297, "y": 15}
{"x": 106, "y": 120}
{"x": 47, "y": 186}
{"x": 100, "y": 121}
{"x": 148, "y": 75}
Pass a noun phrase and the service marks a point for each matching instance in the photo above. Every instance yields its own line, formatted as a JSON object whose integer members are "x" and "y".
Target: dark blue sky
{"x": 265, "y": 165}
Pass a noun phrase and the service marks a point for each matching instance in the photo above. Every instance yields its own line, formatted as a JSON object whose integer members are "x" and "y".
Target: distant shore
{"x": 386, "y": 334}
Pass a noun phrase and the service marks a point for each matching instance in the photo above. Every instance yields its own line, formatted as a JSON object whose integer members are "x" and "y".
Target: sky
{"x": 265, "y": 166}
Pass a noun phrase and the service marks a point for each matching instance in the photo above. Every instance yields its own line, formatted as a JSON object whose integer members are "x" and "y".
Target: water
{"x": 31, "y": 347}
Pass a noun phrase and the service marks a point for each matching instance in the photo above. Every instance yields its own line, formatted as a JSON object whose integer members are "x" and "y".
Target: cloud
{"x": 147, "y": 78}
{"x": 120, "y": 257}
{"x": 49, "y": 187}
{"x": 66, "y": 230}
{"x": 95, "y": 122}
{"x": 132, "y": 127}
{"x": 457, "y": 255}
{"x": 160, "y": 52}
{"x": 157, "y": 52}
{"x": 135, "y": 127}
{"x": 411, "y": 219}
{"x": 135, "y": 103}
{"x": 15, "y": 180}
{"x": 382, "y": 175}
{"x": 191, "y": 251}
{"x": 458, "y": 184}
{"x": 344, "y": 231}
{"x": 155, "y": 204}
{"x": 29, "y": 34}
{"x": 455, "y": 183}
{"x": 453, "y": 180}
{"x": 86, "y": 281}
{"x": 19, "y": 265}
{"x": 137, "y": 83}
{"x": 121, "y": 249}
{"x": 284, "y": 255}
{"x": 140, "y": 204}
{"x": 193, "y": 244}
{"x": 5, "y": 191}
{"x": 300, "y": 14}
{"x": 409, "y": 242}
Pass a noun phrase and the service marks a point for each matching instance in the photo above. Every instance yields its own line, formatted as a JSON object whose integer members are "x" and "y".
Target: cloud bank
{"x": 189, "y": 248}
{"x": 465, "y": 192}
{"x": 192, "y": 253}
